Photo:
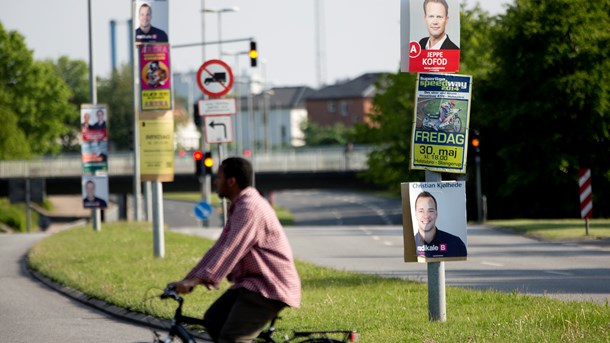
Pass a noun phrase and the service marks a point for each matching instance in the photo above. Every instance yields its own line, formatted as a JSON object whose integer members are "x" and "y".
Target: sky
{"x": 358, "y": 36}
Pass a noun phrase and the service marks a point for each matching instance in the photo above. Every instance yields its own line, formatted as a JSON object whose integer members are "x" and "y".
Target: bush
{"x": 14, "y": 217}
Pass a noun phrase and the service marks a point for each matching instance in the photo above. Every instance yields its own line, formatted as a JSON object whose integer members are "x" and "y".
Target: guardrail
{"x": 292, "y": 160}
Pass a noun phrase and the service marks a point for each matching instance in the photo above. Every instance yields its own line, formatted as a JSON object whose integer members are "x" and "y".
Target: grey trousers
{"x": 239, "y": 315}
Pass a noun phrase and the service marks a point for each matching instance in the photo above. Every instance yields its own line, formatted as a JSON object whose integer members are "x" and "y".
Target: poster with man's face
{"x": 434, "y": 221}
{"x": 95, "y": 191}
{"x": 151, "y": 21}
{"x": 430, "y": 36}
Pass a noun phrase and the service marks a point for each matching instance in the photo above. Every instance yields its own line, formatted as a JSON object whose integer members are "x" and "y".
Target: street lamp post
{"x": 220, "y": 12}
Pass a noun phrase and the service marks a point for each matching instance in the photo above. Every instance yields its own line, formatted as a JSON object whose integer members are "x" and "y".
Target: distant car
{"x": 217, "y": 77}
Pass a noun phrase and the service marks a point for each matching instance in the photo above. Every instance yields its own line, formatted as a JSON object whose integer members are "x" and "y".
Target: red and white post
{"x": 586, "y": 196}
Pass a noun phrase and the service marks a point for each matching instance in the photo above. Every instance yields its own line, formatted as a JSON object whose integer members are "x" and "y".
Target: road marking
{"x": 387, "y": 243}
{"x": 558, "y": 273}
{"x": 375, "y": 237}
{"x": 493, "y": 264}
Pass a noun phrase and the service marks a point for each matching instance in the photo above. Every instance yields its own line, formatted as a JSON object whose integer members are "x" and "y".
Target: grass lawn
{"x": 560, "y": 229}
{"x": 117, "y": 265}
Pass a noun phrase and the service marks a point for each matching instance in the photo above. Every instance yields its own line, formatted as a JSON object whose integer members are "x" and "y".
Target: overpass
{"x": 285, "y": 169}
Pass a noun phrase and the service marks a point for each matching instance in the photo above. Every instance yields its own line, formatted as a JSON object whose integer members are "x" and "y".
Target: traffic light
{"x": 475, "y": 141}
{"x": 253, "y": 54}
{"x": 208, "y": 163}
{"x": 196, "y": 117}
{"x": 198, "y": 157}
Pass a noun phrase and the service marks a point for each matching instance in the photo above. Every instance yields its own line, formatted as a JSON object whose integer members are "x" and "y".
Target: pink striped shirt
{"x": 253, "y": 252}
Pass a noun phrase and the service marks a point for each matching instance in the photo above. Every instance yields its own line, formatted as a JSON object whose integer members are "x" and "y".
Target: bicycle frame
{"x": 178, "y": 330}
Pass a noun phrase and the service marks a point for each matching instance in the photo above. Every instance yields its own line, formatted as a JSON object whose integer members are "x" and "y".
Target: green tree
{"x": 75, "y": 74}
{"x": 316, "y": 135}
{"x": 546, "y": 107}
{"x": 117, "y": 93}
{"x": 32, "y": 93}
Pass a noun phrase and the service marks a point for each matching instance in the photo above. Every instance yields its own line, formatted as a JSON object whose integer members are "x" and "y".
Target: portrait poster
{"x": 94, "y": 137}
{"x": 439, "y": 140}
{"x": 156, "y": 147}
{"x": 430, "y": 36}
{"x": 155, "y": 77}
{"x": 95, "y": 191}
{"x": 151, "y": 21}
{"x": 434, "y": 221}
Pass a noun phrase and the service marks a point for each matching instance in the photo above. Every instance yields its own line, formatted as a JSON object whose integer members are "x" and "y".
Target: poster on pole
{"x": 430, "y": 36}
{"x": 434, "y": 221}
{"x": 439, "y": 140}
{"x": 95, "y": 191}
{"x": 156, "y": 146}
{"x": 94, "y": 137}
{"x": 151, "y": 21}
{"x": 155, "y": 77}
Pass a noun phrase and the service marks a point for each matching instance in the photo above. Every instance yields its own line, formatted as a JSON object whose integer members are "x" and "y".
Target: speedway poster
{"x": 439, "y": 140}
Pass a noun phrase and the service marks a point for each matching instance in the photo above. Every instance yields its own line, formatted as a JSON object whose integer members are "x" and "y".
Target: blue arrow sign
{"x": 203, "y": 210}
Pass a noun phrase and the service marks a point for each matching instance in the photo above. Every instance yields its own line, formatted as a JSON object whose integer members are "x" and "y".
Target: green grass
{"x": 117, "y": 265}
{"x": 560, "y": 229}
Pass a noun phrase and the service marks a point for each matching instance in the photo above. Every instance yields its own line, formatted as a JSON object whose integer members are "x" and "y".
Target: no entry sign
{"x": 215, "y": 78}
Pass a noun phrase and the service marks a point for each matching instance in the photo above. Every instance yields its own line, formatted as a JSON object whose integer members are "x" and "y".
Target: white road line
{"x": 558, "y": 273}
{"x": 493, "y": 264}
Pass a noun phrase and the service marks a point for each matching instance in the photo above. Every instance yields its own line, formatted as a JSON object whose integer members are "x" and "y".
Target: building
{"x": 347, "y": 103}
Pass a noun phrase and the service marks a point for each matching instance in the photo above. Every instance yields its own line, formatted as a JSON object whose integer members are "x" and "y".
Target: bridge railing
{"x": 289, "y": 160}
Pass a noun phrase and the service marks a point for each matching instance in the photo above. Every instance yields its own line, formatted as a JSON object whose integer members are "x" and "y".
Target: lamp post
{"x": 220, "y": 12}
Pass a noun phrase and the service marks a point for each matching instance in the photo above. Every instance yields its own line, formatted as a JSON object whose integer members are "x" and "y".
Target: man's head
{"x": 425, "y": 212}
{"x": 100, "y": 116}
{"x": 234, "y": 175}
{"x": 436, "y": 17}
{"x": 90, "y": 189}
{"x": 145, "y": 16}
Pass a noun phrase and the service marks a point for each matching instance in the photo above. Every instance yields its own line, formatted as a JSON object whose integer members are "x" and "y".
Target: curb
{"x": 100, "y": 305}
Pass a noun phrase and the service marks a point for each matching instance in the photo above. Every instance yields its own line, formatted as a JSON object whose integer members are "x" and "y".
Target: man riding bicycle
{"x": 446, "y": 107}
{"x": 253, "y": 253}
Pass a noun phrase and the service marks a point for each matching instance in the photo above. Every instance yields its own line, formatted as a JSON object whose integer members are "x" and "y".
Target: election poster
{"x": 156, "y": 146}
{"x": 95, "y": 191}
{"x": 430, "y": 36}
{"x": 151, "y": 21}
{"x": 434, "y": 221}
{"x": 439, "y": 140}
{"x": 155, "y": 77}
{"x": 94, "y": 134}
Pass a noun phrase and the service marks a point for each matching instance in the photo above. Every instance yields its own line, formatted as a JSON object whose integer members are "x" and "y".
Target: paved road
{"x": 32, "y": 312}
{"x": 497, "y": 259}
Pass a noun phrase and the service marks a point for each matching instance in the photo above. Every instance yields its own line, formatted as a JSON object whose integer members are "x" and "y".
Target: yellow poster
{"x": 157, "y": 149}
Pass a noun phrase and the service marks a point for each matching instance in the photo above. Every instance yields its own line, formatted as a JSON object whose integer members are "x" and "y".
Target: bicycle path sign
{"x": 215, "y": 78}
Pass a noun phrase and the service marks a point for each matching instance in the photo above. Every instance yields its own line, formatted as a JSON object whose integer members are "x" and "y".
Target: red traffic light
{"x": 197, "y": 155}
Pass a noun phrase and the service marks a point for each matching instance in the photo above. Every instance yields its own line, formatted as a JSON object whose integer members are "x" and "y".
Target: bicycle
{"x": 178, "y": 330}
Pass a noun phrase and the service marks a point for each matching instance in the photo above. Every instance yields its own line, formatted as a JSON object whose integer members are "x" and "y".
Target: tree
{"x": 316, "y": 135}
{"x": 75, "y": 74}
{"x": 32, "y": 93}
{"x": 117, "y": 92}
{"x": 546, "y": 108}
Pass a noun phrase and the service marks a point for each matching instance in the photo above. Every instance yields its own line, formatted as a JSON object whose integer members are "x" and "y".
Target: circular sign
{"x": 215, "y": 78}
{"x": 203, "y": 210}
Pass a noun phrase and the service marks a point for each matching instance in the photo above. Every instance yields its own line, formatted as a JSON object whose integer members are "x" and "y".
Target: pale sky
{"x": 359, "y": 35}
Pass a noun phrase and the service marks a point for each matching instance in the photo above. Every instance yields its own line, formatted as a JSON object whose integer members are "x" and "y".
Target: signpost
{"x": 203, "y": 210}
{"x": 586, "y": 196}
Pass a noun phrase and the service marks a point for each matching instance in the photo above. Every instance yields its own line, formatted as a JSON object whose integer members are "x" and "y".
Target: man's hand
{"x": 185, "y": 286}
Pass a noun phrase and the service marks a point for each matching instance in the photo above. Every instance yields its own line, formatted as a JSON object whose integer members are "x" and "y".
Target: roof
{"x": 281, "y": 97}
{"x": 360, "y": 87}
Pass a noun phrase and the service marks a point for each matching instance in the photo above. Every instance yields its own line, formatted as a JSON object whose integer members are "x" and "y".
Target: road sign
{"x": 218, "y": 129}
{"x": 217, "y": 107}
{"x": 203, "y": 210}
{"x": 215, "y": 78}
{"x": 586, "y": 193}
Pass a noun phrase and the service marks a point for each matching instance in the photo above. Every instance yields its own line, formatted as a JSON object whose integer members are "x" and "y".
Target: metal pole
{"x": 437, "y": 306}
{"x": 28, "y": 212}
{"x": 96, "y": 216}
{"x": 158, "y": 234}
{"x": 219, "y": 35}
{"x": 221, "y": 154}
{"x": 477, "y": 160}
{"x": 137, "y": 187}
